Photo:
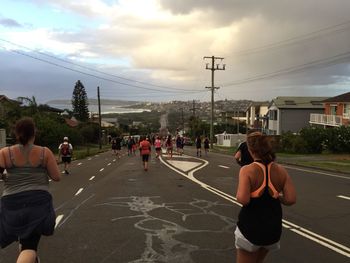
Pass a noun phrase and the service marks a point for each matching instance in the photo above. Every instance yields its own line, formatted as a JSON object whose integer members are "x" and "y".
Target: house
{"x": 292, "y": 113}
{"x": 4, "y": 103}
{"x": 257, "y": 115}
{"x": 229, "y": 140}
{"x": 336, "y": 112}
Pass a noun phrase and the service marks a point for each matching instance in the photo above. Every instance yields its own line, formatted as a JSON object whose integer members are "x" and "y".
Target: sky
{"x": 161, "y": 50}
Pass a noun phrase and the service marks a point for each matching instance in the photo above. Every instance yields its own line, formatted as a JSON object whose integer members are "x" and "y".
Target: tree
{"x": 80, "y": 102}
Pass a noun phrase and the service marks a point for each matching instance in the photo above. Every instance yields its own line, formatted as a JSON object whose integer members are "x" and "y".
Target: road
{"x": 183, "y": 210}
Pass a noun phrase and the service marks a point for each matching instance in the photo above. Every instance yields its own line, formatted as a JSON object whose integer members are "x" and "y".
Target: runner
{"x": 179, "y": 144}
{"x": 145, "y": 149}
{"x": 114, "y": 146}
{"x": 199, "y": 146}
{"x": 206, "y": 145}
{"x": 169, "y": 146}
{"x": 118, "y": 142}
{"x": 158, "y": 146}
{"x": 27, "y": 211}
{"x": 65, "y": 150}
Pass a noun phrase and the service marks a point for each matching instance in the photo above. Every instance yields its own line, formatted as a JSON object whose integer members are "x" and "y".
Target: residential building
{"x": 257, "y": 115}
{"x": 292, "y": 113}
{"x": 336, "y": 112}
{"x": 4, "y": 103}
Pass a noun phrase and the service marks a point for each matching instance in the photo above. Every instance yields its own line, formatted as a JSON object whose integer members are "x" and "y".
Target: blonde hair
{"x": 261, "y": 146}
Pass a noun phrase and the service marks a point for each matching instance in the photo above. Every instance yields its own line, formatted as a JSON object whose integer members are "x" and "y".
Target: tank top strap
{"x": 275, "y": 193}
{"x": 12, "y": 159}
{"x": 258, "y": 191}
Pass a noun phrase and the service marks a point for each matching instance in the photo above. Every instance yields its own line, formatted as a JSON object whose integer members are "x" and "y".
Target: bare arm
{"x": 51, "y": 165}
{"x": 238, "y": 156}
{"x": 288, "y": 196}
{"x": 243, "y": 189}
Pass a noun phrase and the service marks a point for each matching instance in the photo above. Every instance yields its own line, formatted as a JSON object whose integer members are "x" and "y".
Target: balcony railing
{"x": 323, "y": 119}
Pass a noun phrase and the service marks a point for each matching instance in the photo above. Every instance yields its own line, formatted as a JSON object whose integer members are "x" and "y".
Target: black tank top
{"x": 260, "y": 221}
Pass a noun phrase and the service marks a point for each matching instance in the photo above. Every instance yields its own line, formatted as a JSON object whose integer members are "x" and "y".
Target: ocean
{"x": 105, "y": 109}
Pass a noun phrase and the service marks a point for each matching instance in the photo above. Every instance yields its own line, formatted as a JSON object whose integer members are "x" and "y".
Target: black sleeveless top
{"x": 260, "y": 221}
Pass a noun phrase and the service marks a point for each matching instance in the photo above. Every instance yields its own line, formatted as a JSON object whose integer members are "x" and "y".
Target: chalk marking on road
{"x": 79, "y": 191}
{"x": 344, "y": 197}
{"x": 339, "y": 248}
{"x": 74, "y": 209}
{"x": 79, "y": 164}
{"x": 58, "y": 220}
{"x": 102, "y": 169}
{"x": 91, "y": 178}
{"x": 109, "y": 164}
{"x": 223, "y": 166}
{"x": 317, "y": 172}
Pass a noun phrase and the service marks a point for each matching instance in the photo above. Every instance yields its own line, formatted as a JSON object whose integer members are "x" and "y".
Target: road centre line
{"x": 79, "y": 164}
{"x": 339, "y": 248}
{"x": 102, "y": 169}
{"x": 109, "y": 164}
{"x": 89, "y": 159}
{"x": 223, "y": 166}
{"x": 344, "y": 197}
{"x": 317, "y": 172}
{"x": 79, "y": 191}
{"x": 91, "y": 178}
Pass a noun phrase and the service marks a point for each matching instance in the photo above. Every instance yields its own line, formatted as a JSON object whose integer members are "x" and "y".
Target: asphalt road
{"x": 183, "y": 210}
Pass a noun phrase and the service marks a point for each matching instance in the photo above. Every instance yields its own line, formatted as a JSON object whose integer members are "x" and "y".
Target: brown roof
{"x": 340, "y": 98}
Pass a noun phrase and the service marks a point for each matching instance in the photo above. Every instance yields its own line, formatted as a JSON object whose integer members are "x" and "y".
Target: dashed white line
{"x": 344, "y": 197}
{"x": 109, "y": 164}
{"x": 58, "y": 220}
{"x": 79, "y": 191}
{"x": 79, "y": 164}
{"x": 223, "y": 166}
{"x": 91, "y": 178}
{"x": 102, "y": 169}
{"x": 89, "y": 159}
{"x": 337, "y": 247}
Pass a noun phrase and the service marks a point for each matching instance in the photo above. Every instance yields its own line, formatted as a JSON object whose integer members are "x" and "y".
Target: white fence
{"x": 323, "y": 119}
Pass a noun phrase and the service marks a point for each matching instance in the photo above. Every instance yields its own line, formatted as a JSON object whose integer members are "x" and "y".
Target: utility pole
{"x": 193, "y": 115}
{"x": 213, "y": 68}
{"x": 99, "y": 117}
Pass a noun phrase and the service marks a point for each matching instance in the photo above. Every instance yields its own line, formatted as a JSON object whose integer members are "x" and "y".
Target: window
{"x": 273, "y": 115}
{"x": 346, "y": 111}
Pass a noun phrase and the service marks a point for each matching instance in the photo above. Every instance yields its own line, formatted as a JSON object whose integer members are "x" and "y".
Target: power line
{"x": 89, "y": 68}
{"x": 295, "y": 40}
{"x": 325, "y": 62}
{"x": 98, "y": 77}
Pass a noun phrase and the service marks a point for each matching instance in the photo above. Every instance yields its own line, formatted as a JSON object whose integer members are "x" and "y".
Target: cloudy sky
{"x": 153, "y": 50}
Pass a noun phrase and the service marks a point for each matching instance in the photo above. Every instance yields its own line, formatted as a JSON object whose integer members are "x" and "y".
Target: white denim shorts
{"x": 242, "y": 243}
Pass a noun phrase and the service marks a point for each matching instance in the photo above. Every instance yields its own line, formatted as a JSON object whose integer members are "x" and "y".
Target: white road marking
{"x": 79, "y": 164}
{"x": 58, "y": 220}
{"x": 317, "y": 172}
{"x": 114, "y": 160}
{"x": 62, "y": 172}
{"x": 91, "y": 178}
{"x": 223, "y": 166}
{"x": 184, "y": 165}
{"x": 89, "y": 159}
{"x": 344, "y": 197}
{"x": 109, "y": 164}
{"x": 102, "y": 169}
{"x": 79, "y": 191}
{"x": 337, "y": 247}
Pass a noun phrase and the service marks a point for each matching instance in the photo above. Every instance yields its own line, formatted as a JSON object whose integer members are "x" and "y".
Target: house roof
{"x": 340, "y": 98}
{"x": 298, "y": 102}
{"x": 4, "y": 98}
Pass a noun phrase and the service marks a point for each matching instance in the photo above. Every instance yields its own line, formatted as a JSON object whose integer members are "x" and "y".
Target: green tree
{"x": 80, "y": 102}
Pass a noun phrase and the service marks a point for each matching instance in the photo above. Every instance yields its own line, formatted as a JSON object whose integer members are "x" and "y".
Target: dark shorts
{"x": 31, "y": 242}
{"x": 158, "y": 149}
{"x": 66, "y": 159}
{"x": 145, "y": 157}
